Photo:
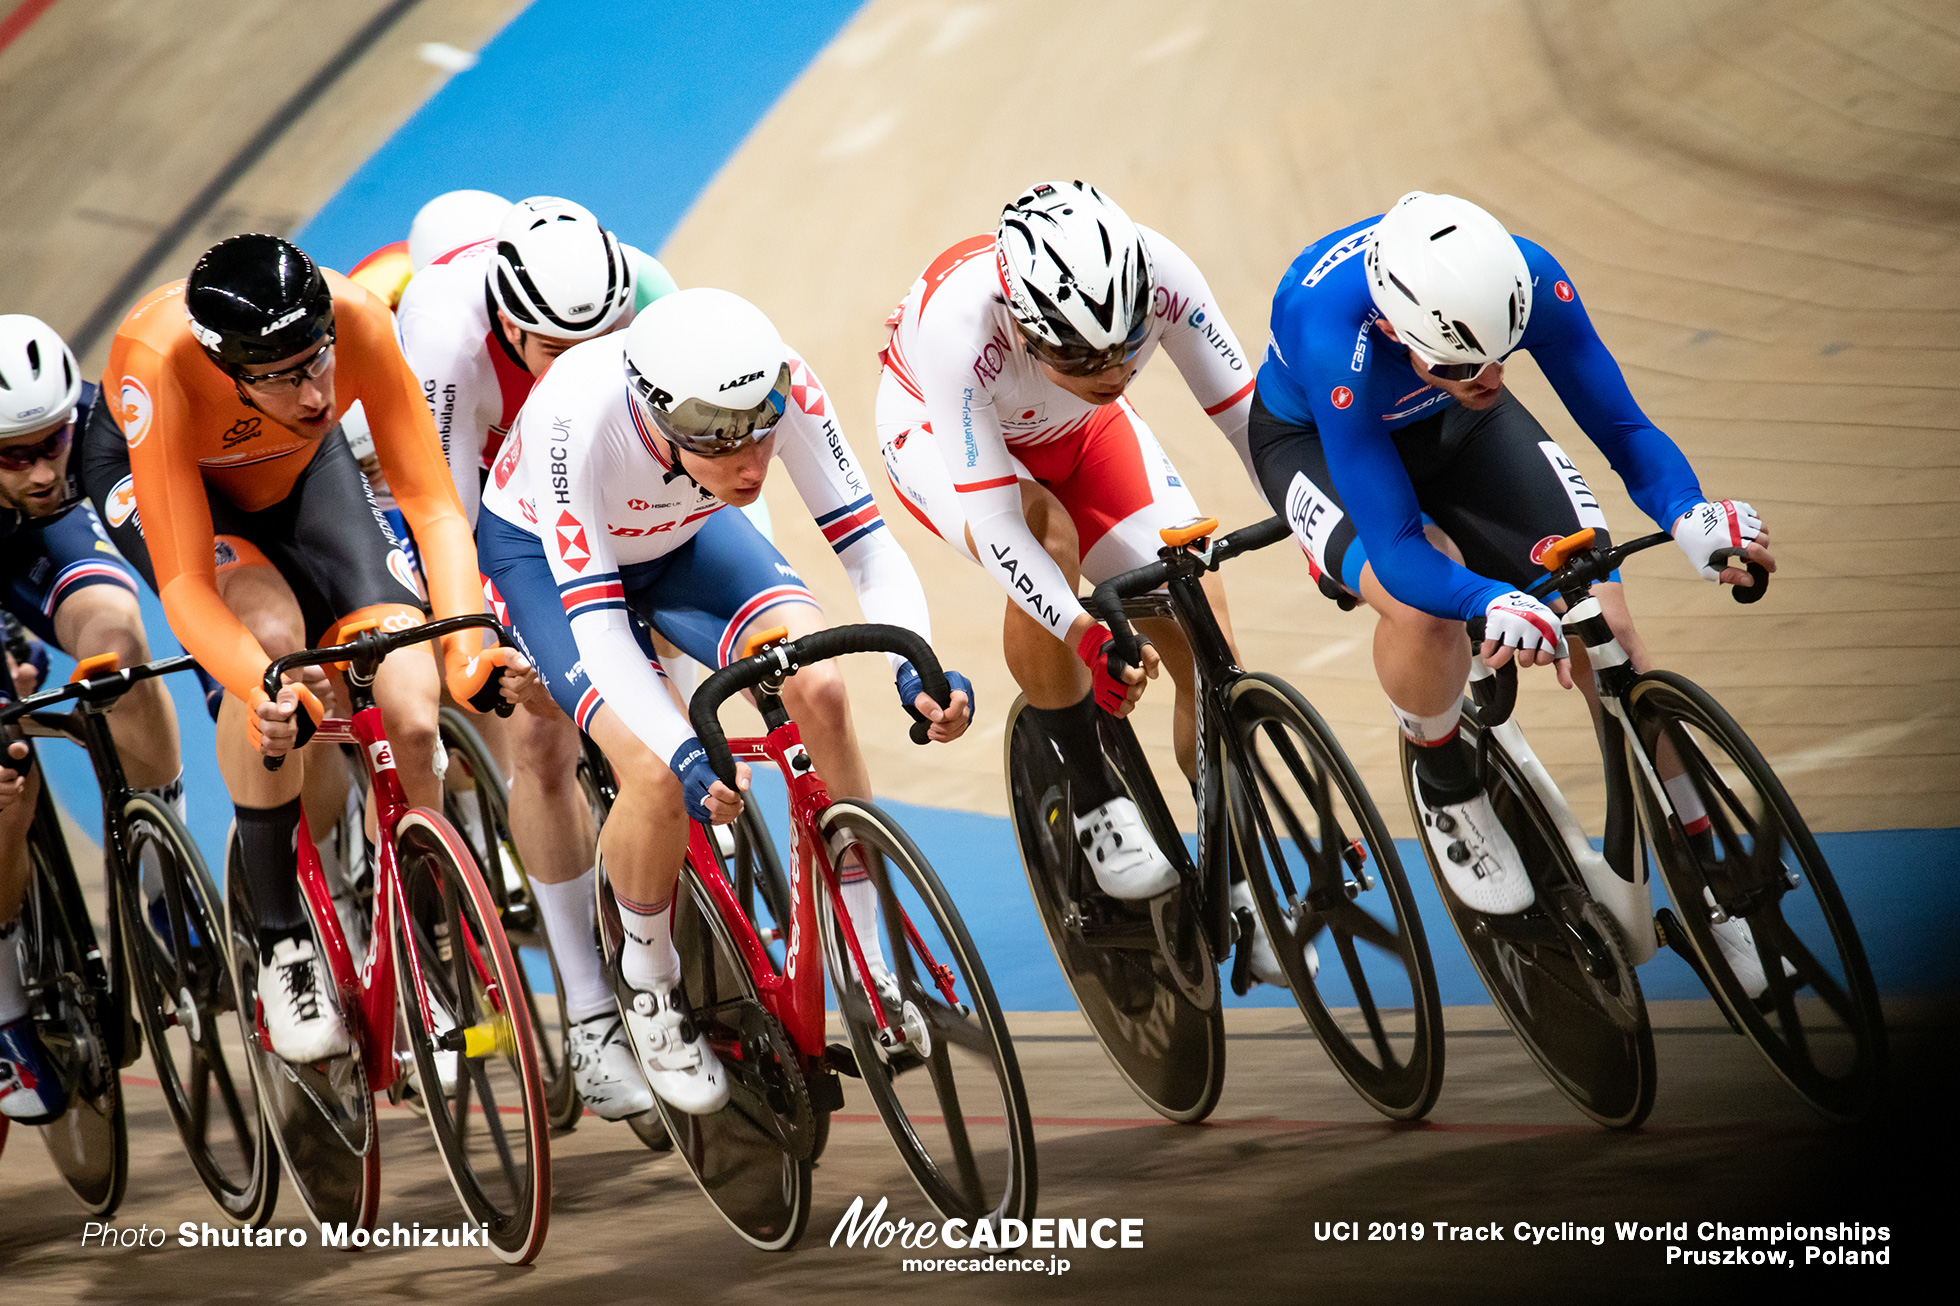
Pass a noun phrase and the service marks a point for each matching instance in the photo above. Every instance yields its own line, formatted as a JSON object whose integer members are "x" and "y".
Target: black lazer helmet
{"x": 256, "y": 299}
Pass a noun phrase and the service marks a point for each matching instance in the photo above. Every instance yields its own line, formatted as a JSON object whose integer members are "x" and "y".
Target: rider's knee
{"x": 547, "y": 749}
{"x": 1415, "y": 627}
{"x": 649, "y": 780}
{"x": 817, "y": 694}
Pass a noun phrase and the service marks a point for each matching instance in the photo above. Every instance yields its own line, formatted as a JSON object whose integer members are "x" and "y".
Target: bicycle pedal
{"x": 840, "y": 1058}
{"x": 826, "y": 1093}
{"x": 1242, "y": 956}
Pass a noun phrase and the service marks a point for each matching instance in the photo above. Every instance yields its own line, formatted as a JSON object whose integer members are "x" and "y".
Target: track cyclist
{"x": 1005, "y": 429}
{"x": 608, "y": 499}
{"x": 62, "y": 579}
{"x": 479, "y": 324}
{"x": 1381, "y": 402}
{"x": 219, "y": 466}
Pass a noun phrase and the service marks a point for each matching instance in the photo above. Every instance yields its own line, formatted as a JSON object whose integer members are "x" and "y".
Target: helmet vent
{"x": 1469, "y": 337}
{"x": 1444, "y": 232}
{"x": 1513, "y": 302}
{"x": 1405, "y": 290}
{"x": 34, "y": 357}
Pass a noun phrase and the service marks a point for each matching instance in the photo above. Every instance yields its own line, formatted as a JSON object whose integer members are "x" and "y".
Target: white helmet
{"x": 39, "y": 380}
{"x": 452, "y": 220}
{"x": 1450, "y": 280}
{"x": 708, "y": 369}
{"x": 558, "y": 273}
{"x": 1077, "y": 276}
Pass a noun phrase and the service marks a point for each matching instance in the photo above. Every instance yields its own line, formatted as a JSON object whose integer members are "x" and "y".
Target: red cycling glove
{"x": 1097, "y": 652}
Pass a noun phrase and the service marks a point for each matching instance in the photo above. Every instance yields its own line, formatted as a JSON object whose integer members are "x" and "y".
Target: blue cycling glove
{"x": 911, "y": 685}
{"x": 690, "y": 763}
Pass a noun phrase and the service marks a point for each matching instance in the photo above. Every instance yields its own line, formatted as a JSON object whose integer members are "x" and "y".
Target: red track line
{"x": 21, "y": 19}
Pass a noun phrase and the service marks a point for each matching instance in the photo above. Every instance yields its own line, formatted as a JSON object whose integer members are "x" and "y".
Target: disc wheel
{"x": 1756, "y": 875}
{"x": 950, "y": 1093}
{"x": 320, "y": 1116}
{"x": 1556, "y": 972}
{"x": 69, "y": 1005}
{"x": 476, "y": 800}
{"x": 463, "y": 1002}
{"x": 752, "y": 1158}
{"x": 1135, "y": 972}
{"x": 174, "y": 939}
{"x": 1324, "y": 873}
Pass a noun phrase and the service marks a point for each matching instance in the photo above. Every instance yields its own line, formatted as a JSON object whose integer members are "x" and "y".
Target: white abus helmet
{"x": 1450, "y": 280}
{"x": 1077, "y": 274}
{"x": 557, "y": 272}
{"x": 709, "y": 370}
{"x": 39, "y": 380}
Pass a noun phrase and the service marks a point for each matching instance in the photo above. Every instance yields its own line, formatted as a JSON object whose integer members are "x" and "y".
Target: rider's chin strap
{"x": 674, "y": 452}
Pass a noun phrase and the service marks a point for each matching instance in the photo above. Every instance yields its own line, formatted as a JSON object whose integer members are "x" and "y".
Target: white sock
{"x": 568, "y": 913}
{"x": 1686, "y": 798}
{"x": 861, "y": 901}
{"x": 13, "y": 998}
{"x": 648, "y": 960}
{"x": 1430, "y": 729}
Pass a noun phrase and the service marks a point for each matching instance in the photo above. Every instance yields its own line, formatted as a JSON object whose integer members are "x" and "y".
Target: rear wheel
{"x": 70, "y": 1005}
{"x": 1556, "y": 971}
{"x": 173, "y": 933}
{"x": 1810, "y": 1005}
{"x": 1306, "y": 832}
{"x": 950, "y": 1092}
{"x": 752, "y": 1158}
{"x": 476, "y": 799}
{"x": 463, "y": 1000}
{"x": 1144, "y": 977}
{"x": 320, "y": 1116}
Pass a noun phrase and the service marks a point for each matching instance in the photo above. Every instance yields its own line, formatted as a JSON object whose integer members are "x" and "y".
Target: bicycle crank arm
{"x": 1630, "y": 905}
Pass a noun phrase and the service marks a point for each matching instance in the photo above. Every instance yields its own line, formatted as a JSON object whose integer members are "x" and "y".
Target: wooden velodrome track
{"x": 1760, "y": 202}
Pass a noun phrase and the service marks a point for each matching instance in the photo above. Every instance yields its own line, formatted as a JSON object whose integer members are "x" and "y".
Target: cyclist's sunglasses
{"x": 308, "y": 369}
{"x": 1080, "y": 360}
{"x": 708, "y": 429}
{"x": 1455, "y": 371}
{"x": 20, "y": 457}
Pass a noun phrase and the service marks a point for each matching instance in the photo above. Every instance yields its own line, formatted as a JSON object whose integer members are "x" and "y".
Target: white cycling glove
{"x": 1516, "y": 620}
{"x": 1707, "y": 527}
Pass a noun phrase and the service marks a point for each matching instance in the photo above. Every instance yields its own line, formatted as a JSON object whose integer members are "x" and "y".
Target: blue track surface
{"x": 631, "y": 109}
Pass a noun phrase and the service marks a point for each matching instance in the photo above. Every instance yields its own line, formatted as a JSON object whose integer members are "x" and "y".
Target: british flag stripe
{"x": 81, "y": 573}
{"x": 725, "y": 651}
{"x": 647, "y": 437}
{"x": 588, "y": 703}
{"x": 851, "y": 523}
{"x": 593, "y": 595}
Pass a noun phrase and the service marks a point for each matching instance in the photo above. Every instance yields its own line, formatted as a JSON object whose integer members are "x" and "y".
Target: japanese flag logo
{"x": 571, "y": 542}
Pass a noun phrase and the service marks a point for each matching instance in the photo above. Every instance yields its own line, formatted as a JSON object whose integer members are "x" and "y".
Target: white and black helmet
{"x": 39, "y": 380}
{"x": 709, "y": 370}
{"x": 1077, "y": 275}
{"x": 557, "y": 272}
{"x": 1450, "y": 280}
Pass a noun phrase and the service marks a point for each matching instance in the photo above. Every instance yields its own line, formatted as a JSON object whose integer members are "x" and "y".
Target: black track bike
{"x": 1279, "y": 806}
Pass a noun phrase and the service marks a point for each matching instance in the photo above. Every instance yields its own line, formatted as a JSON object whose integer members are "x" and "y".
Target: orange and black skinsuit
{"x": 191, "y": 480}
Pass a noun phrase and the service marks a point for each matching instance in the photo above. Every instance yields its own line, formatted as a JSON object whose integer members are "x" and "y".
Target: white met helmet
{"x": 558, "y": 273}
{"x": 452, "y": 220}
{"x": 708, "y": 369}
{"x": 1077, "y": 276}
{"x": 39, "y": 380}
{"x": 1450, "y": 280}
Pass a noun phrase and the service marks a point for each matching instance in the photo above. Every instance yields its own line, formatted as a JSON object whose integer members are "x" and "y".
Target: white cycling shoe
{"x": 679, "y": 1064}
{"x": 1479, "y": 861}
{"x": 1265, "y": 962}
{"x": 1127, "y": 862}
{"x": 604, "y": 1068}
{"x": 300, "y": 1015}
{"x": 1738, "y": 945}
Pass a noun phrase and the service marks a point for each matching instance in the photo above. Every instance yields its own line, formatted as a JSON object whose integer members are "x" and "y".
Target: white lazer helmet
{"x": 558, "y": 273}
{"x": 1450, "y": 280}
{"x": 708, "y": 369}
{"x": 39, "y": 380}
{"x": 452, "y": 220}
{"x": 1077, "y": 276}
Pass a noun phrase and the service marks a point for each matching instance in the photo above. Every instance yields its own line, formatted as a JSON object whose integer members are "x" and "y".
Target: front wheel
{"x": 1754, "y": 894}
{"x": 942, "y": 1072}
{"x": 1305, "y": 833}
{"x": 173, "y": 931}
{"x": 465, "y": 1007}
